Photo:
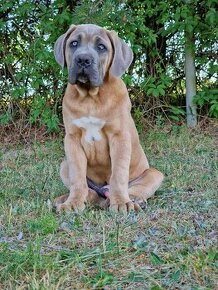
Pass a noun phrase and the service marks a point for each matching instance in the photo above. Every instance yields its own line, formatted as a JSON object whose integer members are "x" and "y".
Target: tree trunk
{"x": 190, "y": 79}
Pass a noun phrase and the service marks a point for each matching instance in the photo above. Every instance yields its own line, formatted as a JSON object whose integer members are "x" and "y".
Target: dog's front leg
{"x": 120, "y": 153}
{"x": 77, "y": 168}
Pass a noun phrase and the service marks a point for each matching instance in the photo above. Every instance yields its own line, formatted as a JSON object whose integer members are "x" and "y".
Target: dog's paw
{"x": 124, "y": 208}
{"x": 60, "y": 199}
{"x": 62, "y": 204}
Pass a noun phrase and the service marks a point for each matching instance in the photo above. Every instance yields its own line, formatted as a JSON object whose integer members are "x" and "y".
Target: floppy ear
{"x": 59, "y": 47}
{"x": 123, "y": 55}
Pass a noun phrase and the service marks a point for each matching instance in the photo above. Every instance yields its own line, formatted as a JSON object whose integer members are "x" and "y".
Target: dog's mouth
{"x": 84, "y": 82}
{"x": 83, "y": 79}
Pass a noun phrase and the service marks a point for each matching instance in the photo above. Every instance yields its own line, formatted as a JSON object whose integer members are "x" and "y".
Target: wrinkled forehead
{"x": 90, "y": 32}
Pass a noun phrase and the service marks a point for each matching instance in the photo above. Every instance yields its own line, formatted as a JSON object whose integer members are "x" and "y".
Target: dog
{"x": 105, "y": 163}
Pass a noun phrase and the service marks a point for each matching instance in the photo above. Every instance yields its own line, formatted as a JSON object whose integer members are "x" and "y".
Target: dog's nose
{"x": 84, "y": 61}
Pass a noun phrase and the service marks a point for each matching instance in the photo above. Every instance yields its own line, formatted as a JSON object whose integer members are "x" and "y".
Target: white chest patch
{"x": 92, "y": 126}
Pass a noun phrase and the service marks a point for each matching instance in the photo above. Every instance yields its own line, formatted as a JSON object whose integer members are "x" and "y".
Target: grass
{"x": 172, "y": 244}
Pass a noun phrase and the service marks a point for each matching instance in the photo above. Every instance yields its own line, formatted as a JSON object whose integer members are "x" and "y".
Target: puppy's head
{"x": 89, "y": 52}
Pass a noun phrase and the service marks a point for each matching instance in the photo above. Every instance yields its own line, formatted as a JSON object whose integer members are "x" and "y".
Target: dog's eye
{"x": 74, "y": 43}
{"x": 101, "y": 47}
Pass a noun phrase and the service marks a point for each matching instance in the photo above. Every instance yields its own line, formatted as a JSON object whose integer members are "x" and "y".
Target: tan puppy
{"x": 101, "y": 140}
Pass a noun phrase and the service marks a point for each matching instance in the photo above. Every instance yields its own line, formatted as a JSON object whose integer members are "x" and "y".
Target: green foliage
{"x": 42, "y": 113}
{"x": 44, "y": 225}
{"x": 176, "y": 113}
{"x": 208, "y": 98}
{"x": 155, "y": 259}
{"x": 5, "y": 118}
{"x": 156, "y": 87}
{"x": 28, "y": 30}
{"x": 138, "y": 116}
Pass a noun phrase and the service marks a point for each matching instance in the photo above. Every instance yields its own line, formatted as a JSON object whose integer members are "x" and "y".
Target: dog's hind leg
{"x": 145, "y": 186}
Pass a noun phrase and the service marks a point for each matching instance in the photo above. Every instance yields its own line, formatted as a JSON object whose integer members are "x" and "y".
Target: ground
{"x": 172, "y": 244}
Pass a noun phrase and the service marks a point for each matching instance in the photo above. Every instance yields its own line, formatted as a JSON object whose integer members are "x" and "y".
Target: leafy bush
{"x": 28, "y": 30}
{"x": 207, "y": 100}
